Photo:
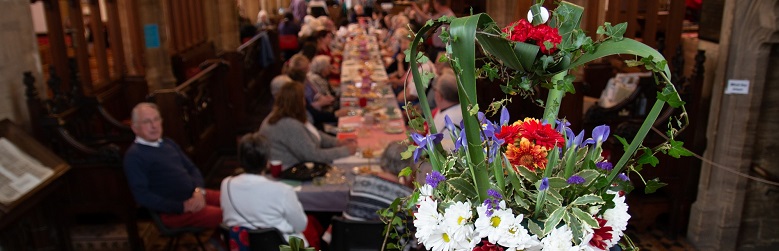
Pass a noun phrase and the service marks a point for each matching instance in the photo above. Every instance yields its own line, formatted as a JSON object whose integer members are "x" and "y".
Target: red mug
{"x": 275, "y": 168}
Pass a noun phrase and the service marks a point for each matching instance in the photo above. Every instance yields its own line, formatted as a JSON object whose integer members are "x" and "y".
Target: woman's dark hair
{"x": 289, "y": 17}
{"x": 309, "y": 49}
{"x": 289, "y": 103}
{"x": 253, "y": 153}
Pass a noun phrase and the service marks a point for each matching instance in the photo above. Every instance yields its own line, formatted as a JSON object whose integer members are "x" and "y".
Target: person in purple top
{"x": 298, "y": 9}
{"x": 162, "y": 178}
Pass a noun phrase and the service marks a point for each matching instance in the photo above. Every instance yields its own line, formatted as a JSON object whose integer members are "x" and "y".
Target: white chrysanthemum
{"x": 492, "y": 226}
{"x": 516, "y": 237}
{"x": 617, "y": 218}
{"x": 441, "y": 240}
{"x": 427, "y": 220}
{"x": 560, "y": 239}
{"x": 425, "y": 191}
{"x": 457, "y": 217}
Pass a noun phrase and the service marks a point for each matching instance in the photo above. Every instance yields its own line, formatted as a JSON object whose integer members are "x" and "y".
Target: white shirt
{"x": 142, "y": 141}
{"x": 263, "y": 203}
{"x": 456, "y": 115}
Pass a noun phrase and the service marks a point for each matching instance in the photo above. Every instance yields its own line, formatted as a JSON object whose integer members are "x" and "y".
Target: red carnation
{"x": 487, "y": 246}
{"x": 601, "y": 235}
{"x": 524, "y": 31}
{"x": 543, "y": 135}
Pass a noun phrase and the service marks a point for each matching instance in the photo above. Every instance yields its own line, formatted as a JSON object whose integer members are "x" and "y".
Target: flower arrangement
{"x": 533, "y": 184}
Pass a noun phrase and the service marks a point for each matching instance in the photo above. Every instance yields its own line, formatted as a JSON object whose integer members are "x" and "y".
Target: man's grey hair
{"x": 391, "y": 160}
{"x": 277, "y": 83}
{"x": 319, "y": 64}
{"x": 446, "y": 85}
{"x": 134, "y": 115}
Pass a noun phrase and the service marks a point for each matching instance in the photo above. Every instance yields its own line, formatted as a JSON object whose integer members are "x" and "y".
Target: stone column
{"x": 228, "y": 25}
{"x": 717, "y": 220}
{"x": 18, "y": 53}
{"x": 159, "y": 73}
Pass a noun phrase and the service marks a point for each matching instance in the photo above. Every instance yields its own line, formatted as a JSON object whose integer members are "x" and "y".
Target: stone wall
{"x": 760, "y": 219}
{"x": 18, "y": 53}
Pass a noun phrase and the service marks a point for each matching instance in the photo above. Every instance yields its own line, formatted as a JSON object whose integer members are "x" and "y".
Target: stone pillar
{"x": 718, "y": 220}
{"x": 159, "y": 73}
{"x": 228, "y": 25}
{"x": 18, "y": 53}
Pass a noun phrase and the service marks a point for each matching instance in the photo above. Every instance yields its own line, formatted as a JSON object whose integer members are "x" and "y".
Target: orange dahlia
{"x": 543, "y": 135}
{"x": 525, "y": 153}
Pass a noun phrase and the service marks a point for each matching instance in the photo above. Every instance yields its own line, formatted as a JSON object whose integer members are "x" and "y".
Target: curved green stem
{"x": 554, "y": 99}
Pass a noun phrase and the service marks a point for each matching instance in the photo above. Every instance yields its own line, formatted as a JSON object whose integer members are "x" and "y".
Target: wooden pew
{"x": 83, "y": 131}
{"x": 197, "y": 115}
{"x": 249, "y": 80}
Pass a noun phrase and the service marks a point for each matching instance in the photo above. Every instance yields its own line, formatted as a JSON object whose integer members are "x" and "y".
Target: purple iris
{"x": 461, "y": 141}
{"x": 562, "y": 125}
{"x": 448, "y": 124}
{"x": 504, "y": 116}
{"x": 605, "y": 165}
{"x": 573, "y": 140}
{"x": 576, "y": 180}
{"x": 599, "y": 134}
{"x": 434, "y": 178}
{"x": 423, "y": 141}
{"x": 544, "y": 184}
{"x": 623, "y": 177}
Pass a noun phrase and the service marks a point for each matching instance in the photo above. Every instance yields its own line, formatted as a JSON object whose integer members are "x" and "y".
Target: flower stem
{"x": 554, "y": 99}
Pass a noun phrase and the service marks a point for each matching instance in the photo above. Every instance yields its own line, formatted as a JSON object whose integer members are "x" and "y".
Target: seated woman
{"x": 317, "y": 86}
{"x": 293, "y": 139}
{"x": 252, "y": 201}
{"x": 371, "y": 192}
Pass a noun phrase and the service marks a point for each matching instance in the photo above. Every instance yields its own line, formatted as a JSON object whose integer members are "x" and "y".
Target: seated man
{"x": 162, "y": 178}
{"x": 374, "y": 191}
{"x": 447, "y": 104}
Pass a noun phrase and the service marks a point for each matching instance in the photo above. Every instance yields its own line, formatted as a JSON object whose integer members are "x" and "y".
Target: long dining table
{"x": 374, "y": 121}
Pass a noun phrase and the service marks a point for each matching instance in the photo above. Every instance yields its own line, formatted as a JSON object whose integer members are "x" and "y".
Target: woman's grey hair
{"x": 391, "y": 160}
{"x": 319, "y": 64}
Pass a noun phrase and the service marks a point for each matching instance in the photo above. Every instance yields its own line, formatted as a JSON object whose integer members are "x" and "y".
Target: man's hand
{"x": 195, "y": 203}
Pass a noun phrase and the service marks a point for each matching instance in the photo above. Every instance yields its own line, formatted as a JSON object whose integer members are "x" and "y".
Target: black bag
{"x": 302, "y": 172}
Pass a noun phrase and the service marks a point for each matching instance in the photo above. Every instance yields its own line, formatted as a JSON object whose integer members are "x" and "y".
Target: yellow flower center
{"x": 495, "y": 221}
{"x": 445, "y": 237}
{"x": 513, "y": 230}
{"x": 460, "y": 220}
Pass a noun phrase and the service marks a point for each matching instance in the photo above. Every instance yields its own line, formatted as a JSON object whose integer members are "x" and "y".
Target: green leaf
{"x": 408, "y": 153}
{"x": 652, "y": 185}
{"x": 527, "y": 174}
{"x": 677, "y": 150}
{"x": 617, "y": 31}
{"x": 624, "y": 46}
{"x": 623, "y": 142}
{"x": 546, "y": 61}
{"x": 463, "y": 186}
{"x": 648, "y": 158}
{"x": 633, "y": 63}
{"x": 670, "y": 96}
{"x": 557, "y": 182}
{"x": 553, "y": 220}
{"x": 587, "y": 199}
{"x": 526, "y": 54}
{"x": 568, "y": 16}
{"x": 501, "y": 48}
{"x": 534, "y": 228}
{"x": 584, "y": 217}
{"x": 554, "y": 197}
{"x": 536, "y": 10}
{"x": 589, "y": 176}
{"x": 473, "y": 110}
{"x": 405, "y": 172}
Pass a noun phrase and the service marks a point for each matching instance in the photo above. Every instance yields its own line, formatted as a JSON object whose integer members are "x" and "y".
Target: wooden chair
{"x": 265, "y": 239}
{"x": 174, "y": 234}
{"x": 356, "y": 235}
